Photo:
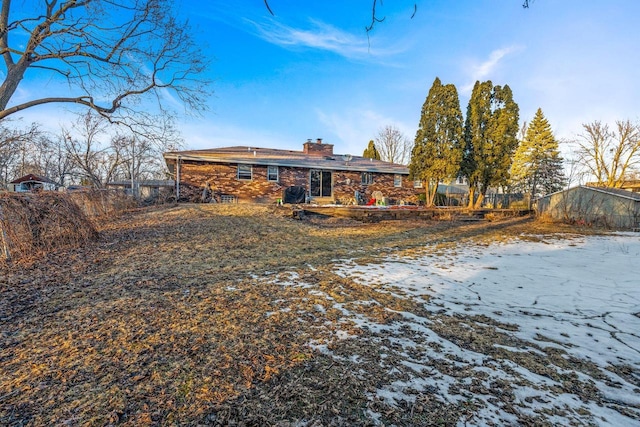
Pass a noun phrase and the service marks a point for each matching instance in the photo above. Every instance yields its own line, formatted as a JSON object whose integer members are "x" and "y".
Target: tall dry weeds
{"x": 34, "y": 224}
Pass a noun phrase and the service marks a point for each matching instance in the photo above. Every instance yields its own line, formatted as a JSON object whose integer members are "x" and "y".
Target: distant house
{"x": 32, "y": 182}
{"x": 252, "y": 174}
{"x": 605, "y": 207}
{"x": 145, "y": 189}
{"x": 454, "y": 194}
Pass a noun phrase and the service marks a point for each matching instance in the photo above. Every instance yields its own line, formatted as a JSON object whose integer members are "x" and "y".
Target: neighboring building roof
{"x": 607, "y": 190}
{"x": 452, "y": 189}
{"x": 618, "y": 192}
{"x": 630, "y": 184}
{"x": 32, "y": 178}
{"x": 290, "y": 158}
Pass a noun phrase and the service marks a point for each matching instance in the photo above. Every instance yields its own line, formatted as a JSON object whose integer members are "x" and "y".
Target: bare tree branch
{"x": 111, "y": 54}
{"x": 266, "y": 3}
{"x": 374, "y": 18}
{"x": 609, "y": 155}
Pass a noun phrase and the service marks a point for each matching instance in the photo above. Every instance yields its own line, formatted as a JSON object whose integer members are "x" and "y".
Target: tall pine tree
{"x": 490, "y": 134}
{"x": 371, "y": 152}
{"x": 437, "y": 151}
{"x": 537, "y": 166}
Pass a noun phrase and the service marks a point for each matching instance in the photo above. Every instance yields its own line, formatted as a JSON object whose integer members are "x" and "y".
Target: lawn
{"x": 241, "y": 315}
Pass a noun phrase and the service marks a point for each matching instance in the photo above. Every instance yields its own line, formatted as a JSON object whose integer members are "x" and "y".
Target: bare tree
{"x": 101, "y": 152}
{"x": 393, "y": 145}
{"x": 54, "y": 160}
{"x": 95, "y": 161}
{"x": 141, "y": 155}
{"x": 147, "y": 148}
{"x": 15, "y": 150}
{"x": 609, "y": 155}
{"x": 113, "y": 55}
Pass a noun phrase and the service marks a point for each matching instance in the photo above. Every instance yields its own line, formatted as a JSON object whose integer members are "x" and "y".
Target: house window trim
{"x": 250, "y": 173}
{"x": 277, "y": 174}
{"x": 417, "y": 183}
{"x": 366, "y": 178}
{"x": 397, "y": 181}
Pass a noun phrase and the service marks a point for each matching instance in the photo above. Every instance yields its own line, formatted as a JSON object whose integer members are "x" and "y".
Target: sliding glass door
{"x": 321, "y": 183}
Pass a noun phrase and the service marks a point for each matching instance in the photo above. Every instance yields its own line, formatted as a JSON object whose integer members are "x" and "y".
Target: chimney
{"x": 317, "y": 148}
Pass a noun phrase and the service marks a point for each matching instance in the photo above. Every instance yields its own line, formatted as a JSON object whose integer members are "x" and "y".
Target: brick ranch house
{"x": 261, "y": 175}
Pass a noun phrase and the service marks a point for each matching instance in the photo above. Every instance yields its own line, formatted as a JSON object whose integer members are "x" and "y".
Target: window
{"x": 397, "y": 180}
{"x": 366, "y": 178}
{"x": 417, "y": 183}
{"x": 272, "y": 173}
{"x": 245, "y": 172}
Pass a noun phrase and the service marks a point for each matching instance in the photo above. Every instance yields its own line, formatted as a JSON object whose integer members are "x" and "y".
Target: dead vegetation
{"x": 215, "y": 314}
{"x": 35, "y": 224}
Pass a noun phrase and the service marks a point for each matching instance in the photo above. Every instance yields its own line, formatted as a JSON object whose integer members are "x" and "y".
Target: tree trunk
{"x": 15, "y": 73}
{"x": 533, "y": 191}
{"x": 472, "y": 193}
{"x": 431, "y": 192}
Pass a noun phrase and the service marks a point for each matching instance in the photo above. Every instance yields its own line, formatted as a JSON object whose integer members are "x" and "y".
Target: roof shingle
{"x": 290, "y": 158}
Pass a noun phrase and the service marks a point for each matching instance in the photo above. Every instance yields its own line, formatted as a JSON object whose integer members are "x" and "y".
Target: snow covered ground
{"x": 532, "y": 330}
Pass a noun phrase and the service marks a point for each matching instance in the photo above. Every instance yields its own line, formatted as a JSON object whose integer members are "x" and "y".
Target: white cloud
{"x": 322, "y": 36}
{"x": 484, "y": 69}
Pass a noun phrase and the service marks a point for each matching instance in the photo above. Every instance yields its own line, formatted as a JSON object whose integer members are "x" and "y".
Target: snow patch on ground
{"x": 577, "y": 300}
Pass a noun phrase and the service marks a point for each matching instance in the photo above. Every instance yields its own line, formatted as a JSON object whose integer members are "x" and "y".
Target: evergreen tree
{"x": 371, "y": 152}
{"x": 537, "y": 166}
{"x": 437, "y": 151}
{"x": 490, "y": 134}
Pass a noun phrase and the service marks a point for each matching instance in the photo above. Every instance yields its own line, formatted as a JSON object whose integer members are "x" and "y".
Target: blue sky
{"x": 311, "y": 71}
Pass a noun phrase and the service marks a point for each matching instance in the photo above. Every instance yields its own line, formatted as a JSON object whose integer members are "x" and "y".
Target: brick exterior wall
{"x": 223, "y": 179}
{"x": 346, "y": 183}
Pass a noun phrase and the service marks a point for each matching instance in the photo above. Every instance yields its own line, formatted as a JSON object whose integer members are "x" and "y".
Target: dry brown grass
{"x": 168, "y": 319}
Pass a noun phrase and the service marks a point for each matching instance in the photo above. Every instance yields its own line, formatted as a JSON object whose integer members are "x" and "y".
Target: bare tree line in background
{"x": 90, "y": 151}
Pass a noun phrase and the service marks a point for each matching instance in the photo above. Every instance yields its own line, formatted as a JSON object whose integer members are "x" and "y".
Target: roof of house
{"x": 627, "y": 194}
{"x": 290, "y": 158}
{"x": 32, "y": 178}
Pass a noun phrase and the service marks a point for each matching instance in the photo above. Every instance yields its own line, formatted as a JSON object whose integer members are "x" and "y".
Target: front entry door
{"x": 321, "y": 184}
